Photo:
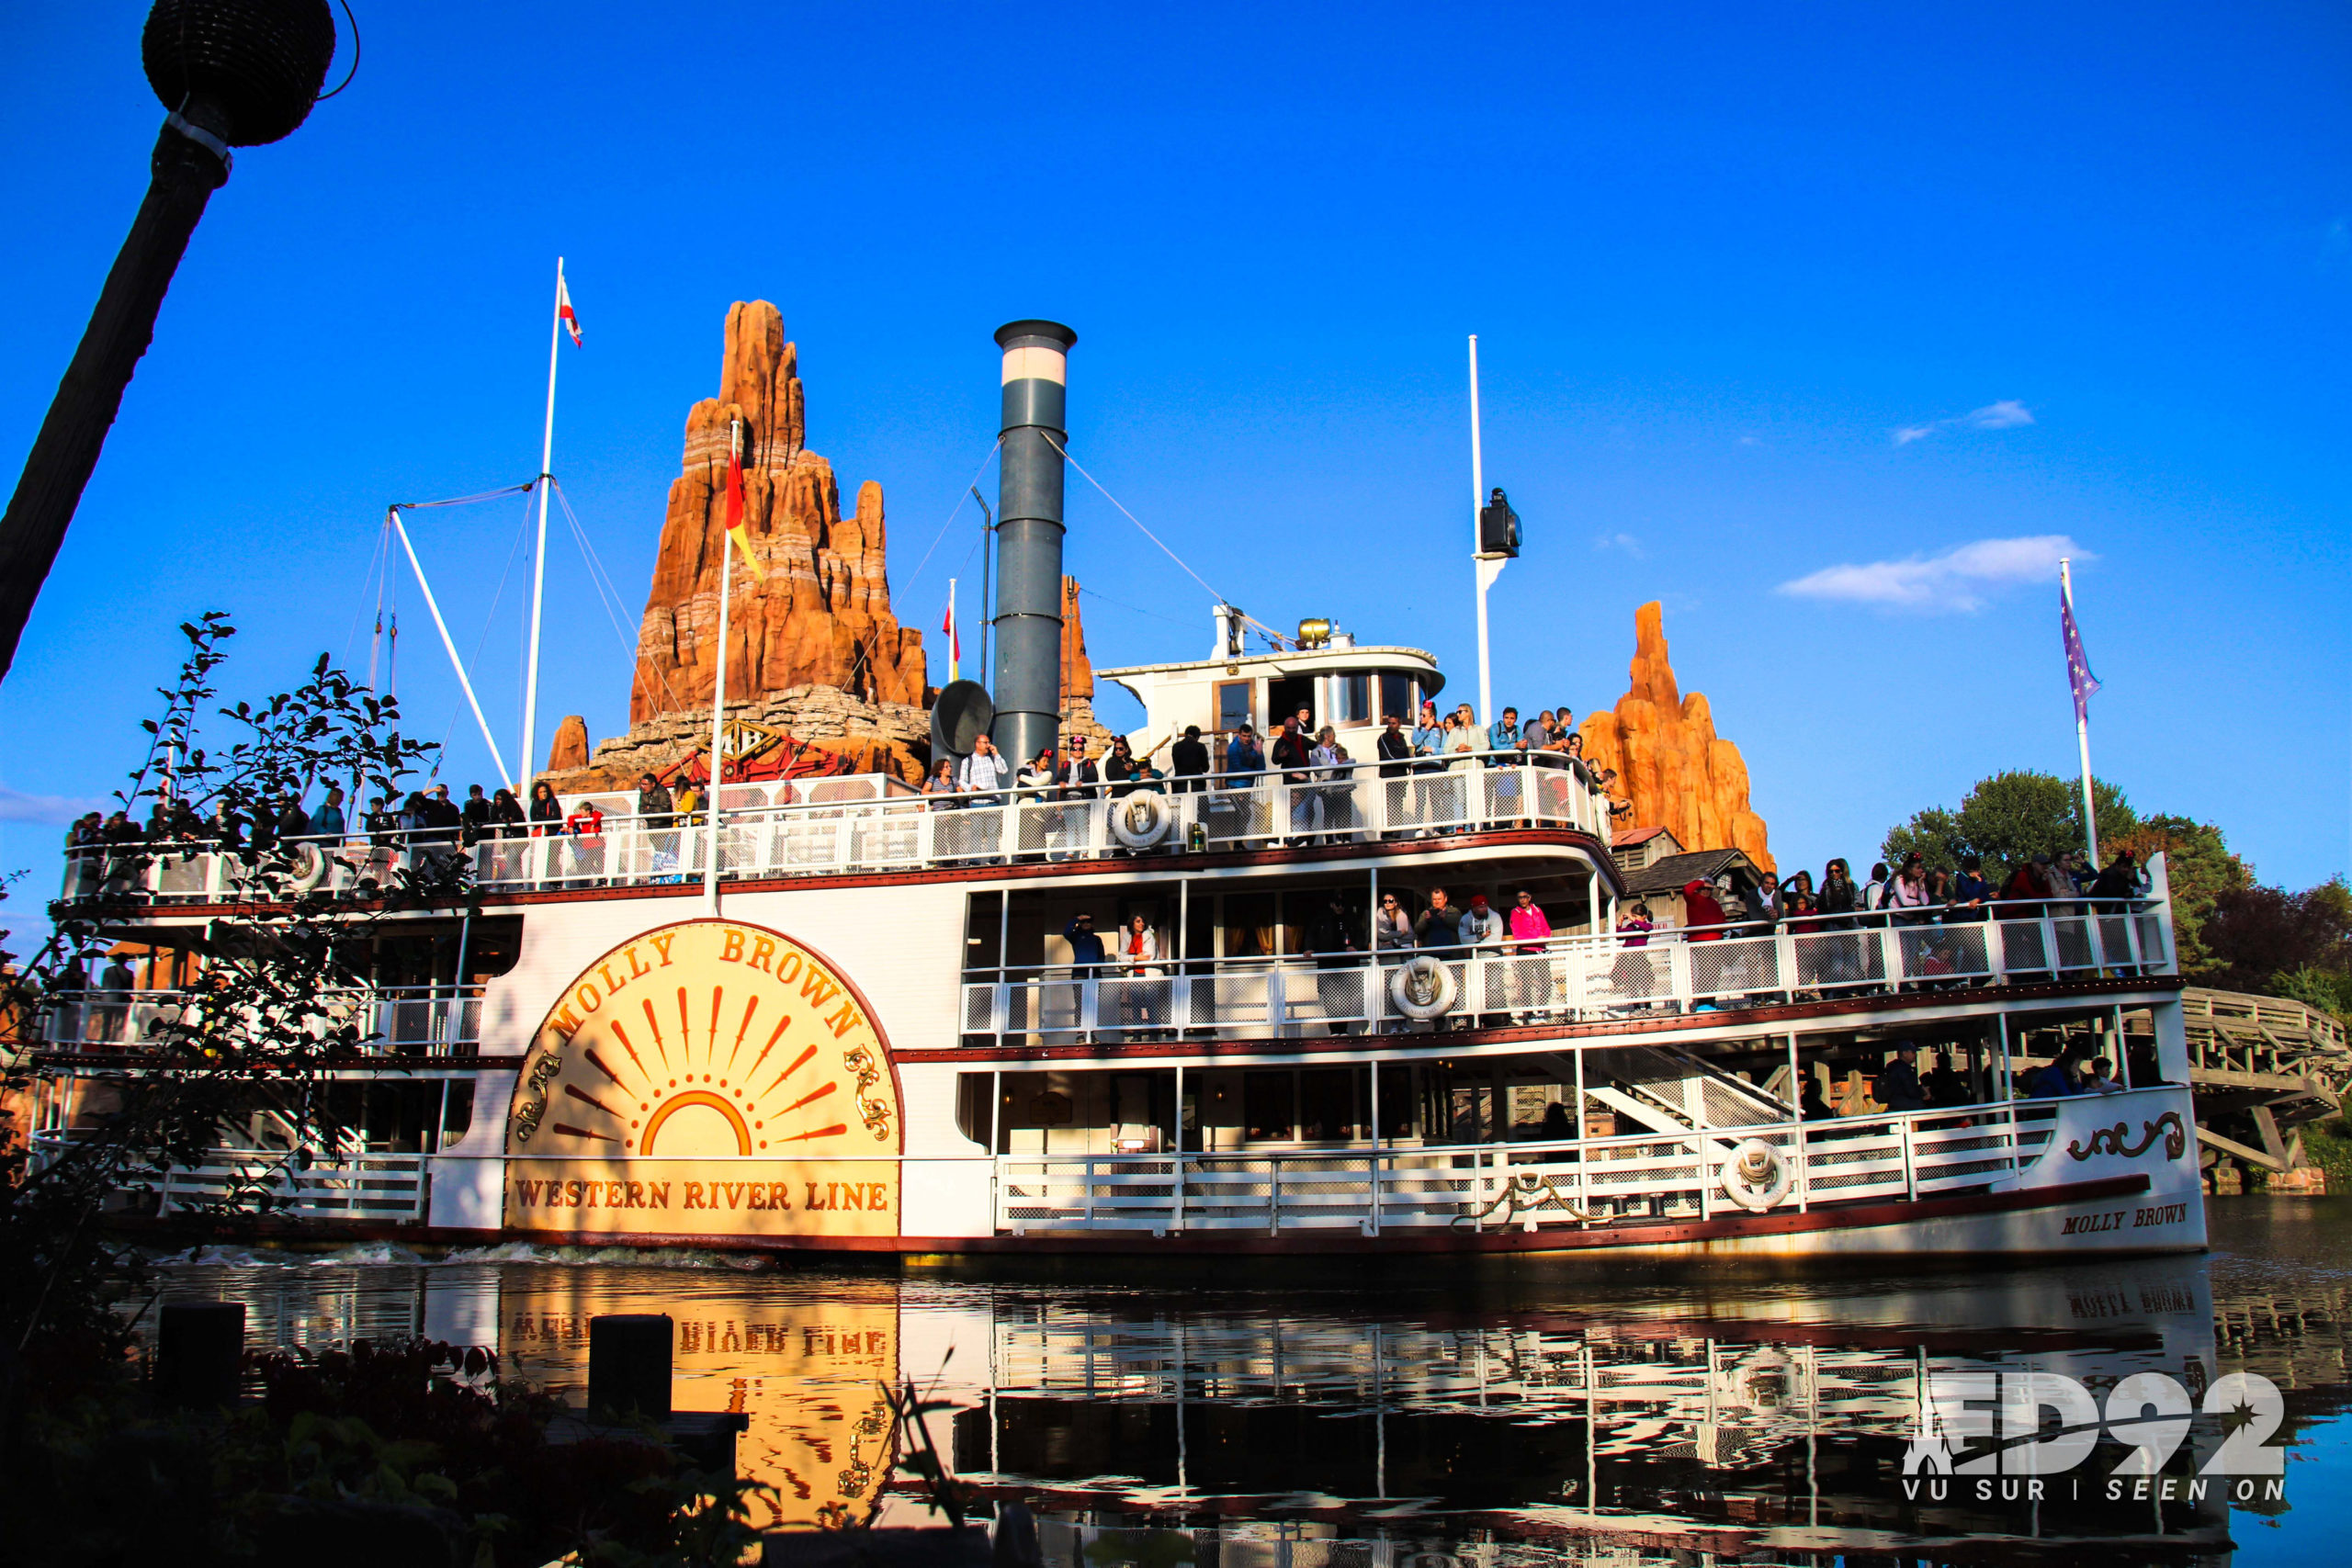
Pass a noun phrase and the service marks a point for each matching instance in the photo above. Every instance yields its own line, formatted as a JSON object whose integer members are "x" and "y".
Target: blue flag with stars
{"x": 2078, "y": 664}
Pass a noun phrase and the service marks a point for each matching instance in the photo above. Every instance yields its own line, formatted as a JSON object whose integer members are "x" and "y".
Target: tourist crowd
{"x": 1907, "y": 894}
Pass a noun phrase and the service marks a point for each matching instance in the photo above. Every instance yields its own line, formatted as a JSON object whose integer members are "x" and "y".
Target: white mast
{"x": 2082, "y": 717}
{"x": 1489, "y": 567}
{"x": 376, "y": 642}
{"x": 540, "y": 557}
{"x": 718, "y": 685}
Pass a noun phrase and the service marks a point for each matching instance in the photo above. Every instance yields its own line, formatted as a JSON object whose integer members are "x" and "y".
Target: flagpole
{"x": 540, "y": 557}
{"x": 1486, "y": 572}
{"x": 718, "y": 688}
{"x": 2082, "y": 720}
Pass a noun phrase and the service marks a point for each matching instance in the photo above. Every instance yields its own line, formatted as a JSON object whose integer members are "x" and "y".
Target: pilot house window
{"x": 1233, "y": 704}
{"x": 1351, "y": 699}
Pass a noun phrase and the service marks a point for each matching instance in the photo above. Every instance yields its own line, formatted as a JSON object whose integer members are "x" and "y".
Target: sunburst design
{"x": 645, "y": 1051}
{"x": 661, "y": 1096}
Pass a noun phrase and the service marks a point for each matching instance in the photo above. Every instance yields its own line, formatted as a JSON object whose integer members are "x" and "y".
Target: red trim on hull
{"x": 100, "y": 1060}
{"x": 1860, "y": 1216}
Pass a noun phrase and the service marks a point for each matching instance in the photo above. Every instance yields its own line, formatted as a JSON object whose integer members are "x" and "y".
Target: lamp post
{"x": 1494, "y": 544}
{"x": 231, "y": 73}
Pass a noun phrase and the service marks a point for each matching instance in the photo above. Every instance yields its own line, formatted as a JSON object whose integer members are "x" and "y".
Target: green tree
{"x": 2201, "y": 868}
{"x": 258, "y": 1029}
{"x": 2328, "y": 990}
{"x": 2267, "y": 939}
{"x": 2010, "y": 818}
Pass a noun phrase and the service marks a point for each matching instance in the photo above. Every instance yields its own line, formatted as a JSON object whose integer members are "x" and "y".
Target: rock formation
{"x": 814, "y": 651}
{"x": 822, "y": 618}
{"x": 1078, "y": 670}
{"x": 1677, "y": 773}
{"x": 569, "y": 751}
{"x": 1078, "y": 675}
{"x": 876, "y": 737}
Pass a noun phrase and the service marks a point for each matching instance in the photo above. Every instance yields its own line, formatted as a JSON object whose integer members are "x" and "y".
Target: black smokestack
{"x": 1028, "y": 675}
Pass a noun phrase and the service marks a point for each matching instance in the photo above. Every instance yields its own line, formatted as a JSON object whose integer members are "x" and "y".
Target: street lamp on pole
{"x": 1494, "y": 544}
{"x": 231, "y": 73}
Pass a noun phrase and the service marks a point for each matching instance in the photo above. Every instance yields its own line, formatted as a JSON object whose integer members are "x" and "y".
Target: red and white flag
{"x": 563, "y": 310}
{"x": 955, "y": 643}
{"x": 735, "y": 529}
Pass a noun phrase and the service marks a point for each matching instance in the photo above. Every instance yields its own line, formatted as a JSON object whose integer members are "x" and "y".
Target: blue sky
{"x": 1871, "y": 303}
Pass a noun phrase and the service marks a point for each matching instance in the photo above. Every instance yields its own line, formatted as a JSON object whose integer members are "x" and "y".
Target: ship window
{"x": 1285, "y": 698}
{"x": 984, "y": 931}
{"x": 457, "y": 1110}
{"x": 1351, "y": 699}
{"x": 1327, "y": 1104}
{"x": 1397, "y": 1102}
{"x": 1250, "y": 927}
{"x": 1233, "y": 704}
{"x": 976, "y": 1110}
{"x": 1396, "y": 699}
{"x": 1269, "y": 1103}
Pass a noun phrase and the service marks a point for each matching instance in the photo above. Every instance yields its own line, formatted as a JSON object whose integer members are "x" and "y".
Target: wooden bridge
{"x": 2262, "y": 1067}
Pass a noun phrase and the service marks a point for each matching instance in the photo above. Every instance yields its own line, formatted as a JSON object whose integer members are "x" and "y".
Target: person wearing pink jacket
{"x": 1530, "y": 968}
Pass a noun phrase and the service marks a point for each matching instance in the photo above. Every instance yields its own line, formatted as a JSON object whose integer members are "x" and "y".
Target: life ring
{"x": 1141, "y": 819}
{"x": 1423, "y": 987}
{"x": 1756, "y": 1177}
{"x": 311, "y": 868}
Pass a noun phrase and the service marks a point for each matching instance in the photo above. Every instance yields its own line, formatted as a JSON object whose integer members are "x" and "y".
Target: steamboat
{"x": 841, "y": 1016}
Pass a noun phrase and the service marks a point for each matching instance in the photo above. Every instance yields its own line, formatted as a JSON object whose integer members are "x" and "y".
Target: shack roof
{"x": 1695, "y": 865}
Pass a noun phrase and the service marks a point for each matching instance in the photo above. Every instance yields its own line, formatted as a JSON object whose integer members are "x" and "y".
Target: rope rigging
{"x": 608, "y": 594}
{"x": 1131, "y": 517}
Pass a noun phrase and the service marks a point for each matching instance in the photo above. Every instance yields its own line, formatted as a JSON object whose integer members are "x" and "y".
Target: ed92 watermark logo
{"x": 2002, "y": 1436}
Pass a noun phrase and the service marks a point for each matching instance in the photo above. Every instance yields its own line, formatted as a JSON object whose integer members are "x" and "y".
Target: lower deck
{"x": 2113, "y": 1172}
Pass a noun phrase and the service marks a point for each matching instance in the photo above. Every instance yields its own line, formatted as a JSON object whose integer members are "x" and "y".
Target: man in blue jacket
{"x": 1086, "y": 959}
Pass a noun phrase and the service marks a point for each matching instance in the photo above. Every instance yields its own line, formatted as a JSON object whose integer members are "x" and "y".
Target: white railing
{"x": 1561, "y": 981}
{"x": 421, "y": 1020}
{"x": 1646, "y": 1178}
{"x": 806, "y": 829}
{"x": 393, "y": 1188}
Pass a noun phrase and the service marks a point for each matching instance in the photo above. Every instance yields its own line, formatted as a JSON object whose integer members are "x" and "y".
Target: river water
{"x": 1423, "y": 1419}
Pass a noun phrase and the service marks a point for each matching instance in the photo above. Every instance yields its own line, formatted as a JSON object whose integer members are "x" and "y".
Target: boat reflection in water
{"x": 1761, "y": 1423}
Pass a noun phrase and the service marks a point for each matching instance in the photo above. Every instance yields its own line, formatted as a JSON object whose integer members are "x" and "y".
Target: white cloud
{"x": 18, "y": 806}
{"x": 1952, "y": 581}
{"x": 2006, "y": 414}
{"x": 1625, "y": 542}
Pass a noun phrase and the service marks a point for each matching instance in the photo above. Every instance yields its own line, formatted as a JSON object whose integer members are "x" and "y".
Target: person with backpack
{"x": 1874, "y": 891}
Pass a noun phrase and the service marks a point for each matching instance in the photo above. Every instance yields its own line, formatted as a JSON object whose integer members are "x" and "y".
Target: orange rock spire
{"x": 823, "y": 616}
{"x": 1078, "y": 670}
{"x": 1678, "y": 775}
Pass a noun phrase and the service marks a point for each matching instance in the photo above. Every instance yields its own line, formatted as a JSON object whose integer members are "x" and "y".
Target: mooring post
{"x": 199, "y": 1350}
{"x": 629, "y": 1365}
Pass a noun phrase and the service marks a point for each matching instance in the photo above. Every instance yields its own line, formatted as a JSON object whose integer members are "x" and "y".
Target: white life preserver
{"x": 310, "y": 869}
{"x": 1423, "y": 988}
{"x": 1141, "y": 819}
{"x": 1756, "y": 1177}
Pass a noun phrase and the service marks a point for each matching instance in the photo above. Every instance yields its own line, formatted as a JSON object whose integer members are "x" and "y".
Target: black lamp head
{"x": 247, "y": 71}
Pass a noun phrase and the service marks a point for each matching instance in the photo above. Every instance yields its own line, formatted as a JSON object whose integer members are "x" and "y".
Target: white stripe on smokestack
{"x": 1039, "y": 362}
{"x": 1027, "y": 683}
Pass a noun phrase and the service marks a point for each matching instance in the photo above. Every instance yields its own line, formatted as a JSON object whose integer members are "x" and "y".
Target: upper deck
{"x": 874, "y": 824}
